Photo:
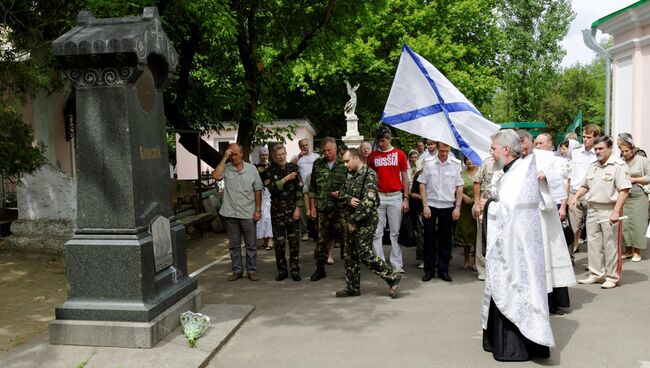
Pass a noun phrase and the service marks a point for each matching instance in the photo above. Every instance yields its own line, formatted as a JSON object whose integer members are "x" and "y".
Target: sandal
{"x": 330, "y": 261}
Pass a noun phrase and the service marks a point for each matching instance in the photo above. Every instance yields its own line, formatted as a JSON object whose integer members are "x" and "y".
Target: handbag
{"x": 407, "y": 232}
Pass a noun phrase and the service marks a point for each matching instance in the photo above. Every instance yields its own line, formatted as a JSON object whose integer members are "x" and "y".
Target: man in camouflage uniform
{"x": 359, "y": 195}
{"x": 327, "y": 176}
{"x": 285, "y": 185}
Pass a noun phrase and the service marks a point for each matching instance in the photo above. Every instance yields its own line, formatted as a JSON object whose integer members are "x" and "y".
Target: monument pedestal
{"x": 352, "y": 137}
{"x": 123, "y": 334}
{"x": 126, "y": 263}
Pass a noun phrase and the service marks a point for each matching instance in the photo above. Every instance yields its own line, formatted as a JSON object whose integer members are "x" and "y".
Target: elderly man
{"x": 515, "y": 317}
{"x": 391, "y": 166}
{"x": 365, "y": 148}
{"x": 441, "y": 190}
{"x": 327, "y": 177}
{"x": 607, "y": 184}
{"x": 305, "y": 161}
{"x": 240, "y": 208}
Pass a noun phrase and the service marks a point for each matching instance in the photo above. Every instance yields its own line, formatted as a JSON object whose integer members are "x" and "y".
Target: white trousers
{"x": 391, "y": 207}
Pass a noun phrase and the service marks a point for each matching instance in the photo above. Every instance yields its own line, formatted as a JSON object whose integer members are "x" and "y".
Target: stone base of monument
{"x": 124, "y": 334}
{"x": 172, "y": 351}
{"x": 42, "y": 236}
{"x": 352, "y": 141}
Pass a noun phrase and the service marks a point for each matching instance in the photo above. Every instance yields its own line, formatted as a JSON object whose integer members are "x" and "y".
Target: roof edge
{"x": 614, "y": 14}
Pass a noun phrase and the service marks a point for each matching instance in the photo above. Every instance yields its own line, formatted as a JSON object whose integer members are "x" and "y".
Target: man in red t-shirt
{"x": 391, "y": 166}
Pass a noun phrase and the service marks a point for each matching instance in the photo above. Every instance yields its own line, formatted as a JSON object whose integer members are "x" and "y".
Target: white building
{"x": 630, "y": 29}
{"x": 186, "y": 162}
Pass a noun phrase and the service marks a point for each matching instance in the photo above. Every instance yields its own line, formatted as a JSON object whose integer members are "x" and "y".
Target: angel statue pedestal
{"x": 352, "y": 137}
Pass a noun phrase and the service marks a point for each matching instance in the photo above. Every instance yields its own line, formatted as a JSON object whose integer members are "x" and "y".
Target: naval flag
{"x": 422, "y": 101}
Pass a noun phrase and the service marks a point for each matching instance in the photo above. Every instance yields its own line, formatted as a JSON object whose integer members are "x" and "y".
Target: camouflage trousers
{"x": 285, "y": 228}
{"x": 359, "y": 249}
{"x": 330, "y": 227}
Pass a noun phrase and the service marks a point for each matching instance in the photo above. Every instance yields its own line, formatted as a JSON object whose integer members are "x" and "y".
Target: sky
{"x": 587, "y": 11}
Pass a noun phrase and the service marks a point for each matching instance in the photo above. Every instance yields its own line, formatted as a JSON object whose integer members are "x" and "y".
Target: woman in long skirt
{"x": 636, "y": 205}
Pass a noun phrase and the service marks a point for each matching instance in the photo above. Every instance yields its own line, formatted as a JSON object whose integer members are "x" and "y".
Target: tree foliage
{"x": 459, "y": 37}
{"x": 532, "y": 52}
{"x": 254, "y": 61}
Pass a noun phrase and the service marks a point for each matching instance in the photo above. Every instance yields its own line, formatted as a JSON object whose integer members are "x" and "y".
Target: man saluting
{"x": 359, "y": 194}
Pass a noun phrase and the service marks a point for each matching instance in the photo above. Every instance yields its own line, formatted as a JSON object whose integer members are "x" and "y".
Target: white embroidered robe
{"x": 516, "y": 274}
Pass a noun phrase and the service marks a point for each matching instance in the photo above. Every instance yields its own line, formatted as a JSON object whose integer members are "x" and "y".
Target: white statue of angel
{"x": 352, "y": 103}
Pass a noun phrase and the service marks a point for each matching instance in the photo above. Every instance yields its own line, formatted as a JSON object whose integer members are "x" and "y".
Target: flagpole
{"x": 365, "y": 175}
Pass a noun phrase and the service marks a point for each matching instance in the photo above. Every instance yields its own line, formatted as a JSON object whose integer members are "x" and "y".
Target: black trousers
{"x": 438, "y": 240}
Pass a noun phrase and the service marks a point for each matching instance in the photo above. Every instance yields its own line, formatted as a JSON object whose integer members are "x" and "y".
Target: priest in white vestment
{"x": 515, "y": 318}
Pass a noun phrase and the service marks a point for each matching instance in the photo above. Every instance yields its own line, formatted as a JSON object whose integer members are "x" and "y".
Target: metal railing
{"x": 7, "y": 193}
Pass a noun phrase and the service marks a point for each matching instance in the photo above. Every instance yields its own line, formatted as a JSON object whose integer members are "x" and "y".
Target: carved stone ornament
{"x": 114, "y": 51}
{"x": 95, "y": 77}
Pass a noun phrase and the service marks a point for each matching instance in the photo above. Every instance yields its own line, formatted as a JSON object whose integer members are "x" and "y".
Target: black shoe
{"x": 296, "y": 276}
{"x": 320, "y": 271}
{"x": 281, "y": 276}
{"x": 445, "y": 277}
{"x": 557, "y": 311}
{"x": 427, "y": 277}
{"x": 346, "y": 293}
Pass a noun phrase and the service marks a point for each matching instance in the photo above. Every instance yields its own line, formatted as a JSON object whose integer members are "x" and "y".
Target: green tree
{"x": 459, "y": 37}
{"x": 577, "y": 88}
{"x": 26, "y": 68}
{"x": 532, "y": 32}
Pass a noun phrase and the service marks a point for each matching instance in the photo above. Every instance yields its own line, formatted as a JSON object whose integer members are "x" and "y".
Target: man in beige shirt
{"x": 606, "y": 186}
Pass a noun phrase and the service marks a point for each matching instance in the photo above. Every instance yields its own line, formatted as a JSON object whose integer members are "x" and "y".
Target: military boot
{"x": 320, "y": 270}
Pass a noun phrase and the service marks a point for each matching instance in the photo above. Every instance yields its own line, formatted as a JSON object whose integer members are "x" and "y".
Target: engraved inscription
{"x": 150, "y": 153}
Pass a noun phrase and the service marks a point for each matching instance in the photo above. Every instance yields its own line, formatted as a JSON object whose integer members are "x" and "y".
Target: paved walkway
{"x": 301, "y": 324}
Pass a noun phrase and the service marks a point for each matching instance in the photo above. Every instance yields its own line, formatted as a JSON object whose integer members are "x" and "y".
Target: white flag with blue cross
{"x": 423, "y": 101}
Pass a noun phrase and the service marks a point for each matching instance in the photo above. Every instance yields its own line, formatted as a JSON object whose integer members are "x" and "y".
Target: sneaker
{"x": 305, "y": 236}
{"x": 399, "y": 269}
{"x": 636, "y": 257}
{"x": 609, "y": 284}
{"x": 481, "y": 277}
{"x": 235, "y": 276}
{"x": 252, "y": 275}
{"x": 590, "y": 280}
{"x": 421, "y": 265}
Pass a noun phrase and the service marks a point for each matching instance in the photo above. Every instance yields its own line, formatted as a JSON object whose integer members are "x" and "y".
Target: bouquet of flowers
{"x": 194, "y": 326}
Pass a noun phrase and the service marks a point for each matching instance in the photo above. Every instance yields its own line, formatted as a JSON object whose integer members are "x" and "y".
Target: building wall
{"x": 186, "y": 168}
{"x": 631, "y": 81}
{"x": 45, "y": 114}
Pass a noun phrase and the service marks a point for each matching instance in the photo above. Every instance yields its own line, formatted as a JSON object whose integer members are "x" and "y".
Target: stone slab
{"x": 124, "y": 334}
{"x": 172, "y": 352}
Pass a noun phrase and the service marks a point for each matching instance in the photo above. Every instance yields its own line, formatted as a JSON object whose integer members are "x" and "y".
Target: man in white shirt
{"x": 441, "y": 189}
{"x": 430, "y": 151}
{"x": 305, "y": 161}
{"x": 581, "y": 159}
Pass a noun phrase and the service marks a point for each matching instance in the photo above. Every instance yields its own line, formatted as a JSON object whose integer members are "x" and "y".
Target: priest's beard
{"x": 500, "y": 163}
